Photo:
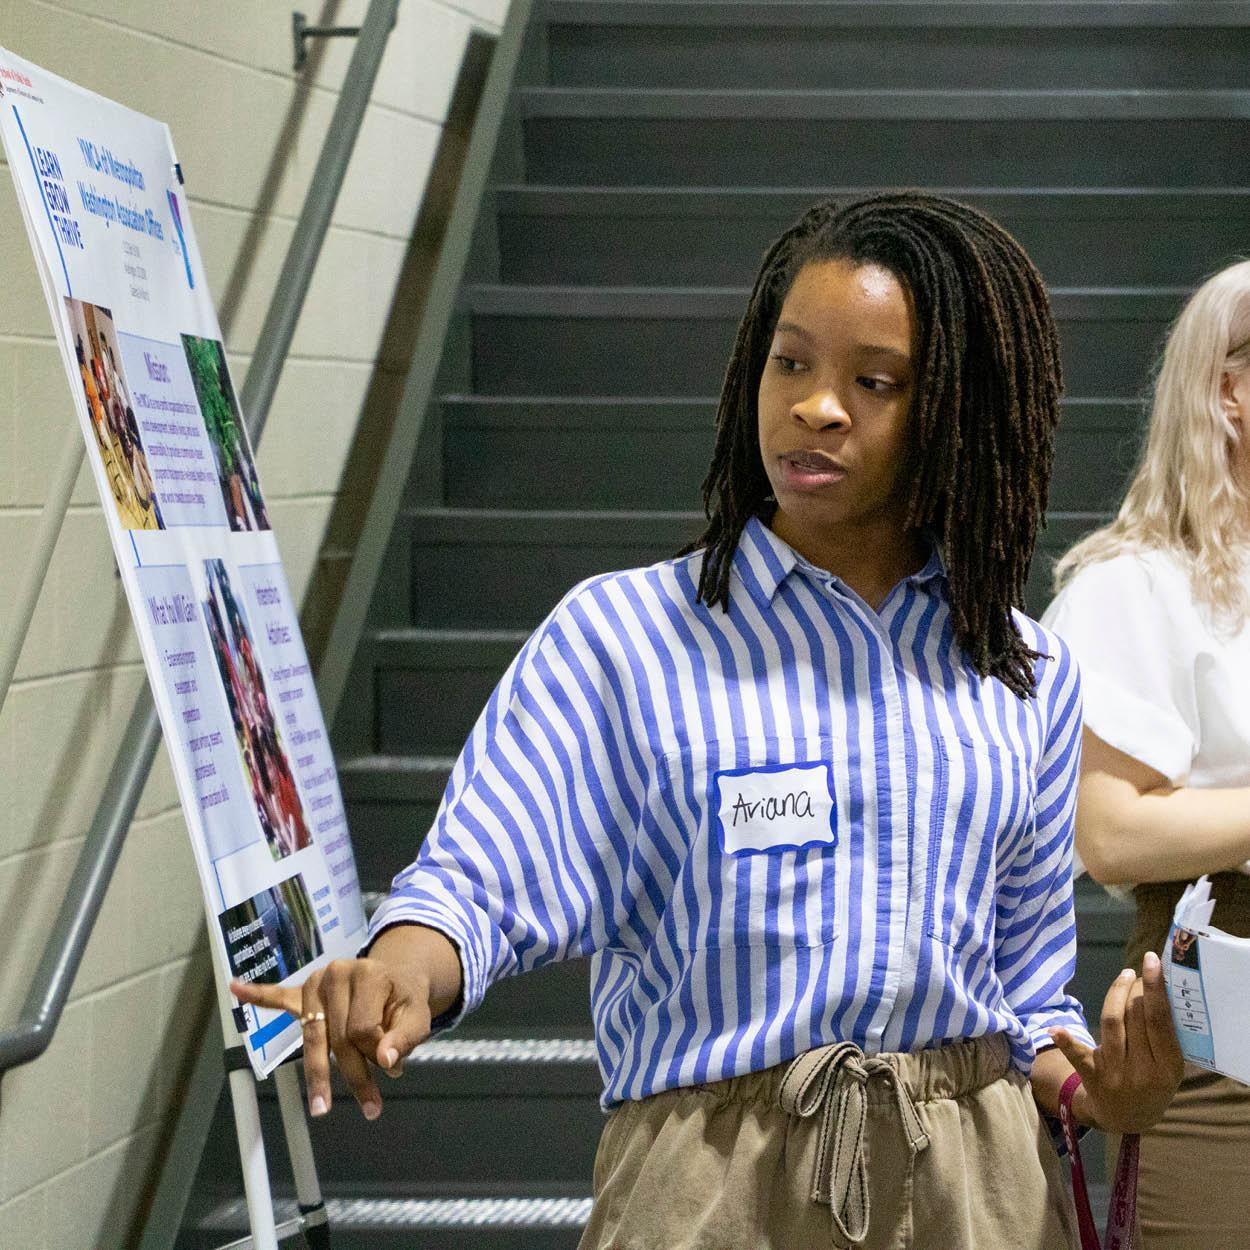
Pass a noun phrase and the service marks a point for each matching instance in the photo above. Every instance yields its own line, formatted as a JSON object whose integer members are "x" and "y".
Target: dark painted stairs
{"x": 652, "y": 151}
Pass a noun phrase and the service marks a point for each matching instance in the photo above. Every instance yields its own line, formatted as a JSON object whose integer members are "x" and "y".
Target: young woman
{"x": 1155, "y": 606}
{"x": 805, "y": 794}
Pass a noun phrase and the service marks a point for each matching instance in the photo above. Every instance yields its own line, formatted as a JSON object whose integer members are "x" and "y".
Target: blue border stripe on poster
{"x": 279, "y": 1024}
{"x": 44, "y": 198}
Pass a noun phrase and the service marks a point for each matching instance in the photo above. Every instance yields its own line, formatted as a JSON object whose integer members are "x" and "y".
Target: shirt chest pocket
{"x": 981, "y": 812}
{"x": 770, "y": 826}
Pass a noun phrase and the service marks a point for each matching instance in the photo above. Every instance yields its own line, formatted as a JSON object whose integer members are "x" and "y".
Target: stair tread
{"x": 620, "y": 302}
{"x": 550, "y": 199}
{"x": 909, "y": 13}
{"x": 446, "y": 635}
{"x": 951, "y": 104}
{"x": 466, "y": 1212}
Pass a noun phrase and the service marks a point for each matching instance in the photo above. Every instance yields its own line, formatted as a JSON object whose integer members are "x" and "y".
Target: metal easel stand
{"x": 312, "y": 1220}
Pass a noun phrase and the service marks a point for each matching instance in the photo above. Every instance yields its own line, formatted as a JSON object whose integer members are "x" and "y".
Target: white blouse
{"x": 1162, "y": 682}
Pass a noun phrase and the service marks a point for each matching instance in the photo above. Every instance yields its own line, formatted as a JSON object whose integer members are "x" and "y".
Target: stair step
{"x": 510, "y": 566}
{"x": 1001, "y": 15}
{"x": 923, "y": 139}
{"x": 430, "y": 685}
{"x": 635, "y": 341}
{"x": 389, "y": 778}
{"x": 479, "y": 1223}
{"x": 821, "y": 46}
{"x": 909, "y": 104}
{"x": 1112, "y": 237}
{"x": 502, "y": 565}
{"x": 391, "y": 802}
{"x": 524, "y": 452}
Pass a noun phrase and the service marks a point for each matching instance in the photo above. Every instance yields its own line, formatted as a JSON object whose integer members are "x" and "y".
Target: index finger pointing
{"x": 275, "y": 997}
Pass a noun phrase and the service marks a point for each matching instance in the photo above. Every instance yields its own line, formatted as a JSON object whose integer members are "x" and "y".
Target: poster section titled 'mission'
{"x": 104, "y": 204}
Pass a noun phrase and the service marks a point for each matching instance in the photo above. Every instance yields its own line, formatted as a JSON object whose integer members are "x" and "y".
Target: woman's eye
{"x": 787, "y": 364}
{"x": 876, "y": 384}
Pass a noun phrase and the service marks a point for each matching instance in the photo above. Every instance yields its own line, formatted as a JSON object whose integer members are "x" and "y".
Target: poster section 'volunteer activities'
{"x": 106, "y": 210}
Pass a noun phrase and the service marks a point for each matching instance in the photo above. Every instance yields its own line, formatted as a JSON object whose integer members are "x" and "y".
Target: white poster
{"x": 106, "y": 210}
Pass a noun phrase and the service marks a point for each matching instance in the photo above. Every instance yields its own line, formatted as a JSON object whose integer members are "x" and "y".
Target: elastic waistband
{"x": 949, "y": 1071}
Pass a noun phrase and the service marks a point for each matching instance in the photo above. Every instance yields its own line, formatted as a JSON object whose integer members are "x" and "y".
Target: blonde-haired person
{"x": 1156, "y": 607}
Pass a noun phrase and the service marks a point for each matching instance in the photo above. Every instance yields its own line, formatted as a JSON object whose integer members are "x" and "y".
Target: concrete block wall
{"x": 79, "y": 1128}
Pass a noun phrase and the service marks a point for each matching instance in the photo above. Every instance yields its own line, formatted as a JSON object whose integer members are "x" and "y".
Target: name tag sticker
{"x": 776, "y": 807}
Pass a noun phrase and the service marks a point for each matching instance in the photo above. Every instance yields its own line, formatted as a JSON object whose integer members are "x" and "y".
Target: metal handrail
{"x": 62, "y": 955}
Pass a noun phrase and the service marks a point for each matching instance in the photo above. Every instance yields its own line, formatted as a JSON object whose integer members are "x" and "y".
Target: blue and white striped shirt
{"x": 909, "y": 885}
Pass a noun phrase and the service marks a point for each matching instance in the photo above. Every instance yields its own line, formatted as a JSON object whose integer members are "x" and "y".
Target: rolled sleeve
{"x": 1035, "y": 941}
{"x": 1129, "y": 621}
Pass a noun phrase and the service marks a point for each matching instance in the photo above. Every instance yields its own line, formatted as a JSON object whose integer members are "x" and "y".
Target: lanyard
{"x": 1122, "y": 1215}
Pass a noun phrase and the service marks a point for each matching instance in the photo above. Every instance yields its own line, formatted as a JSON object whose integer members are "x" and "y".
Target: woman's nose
{"x": 821, "y": 410}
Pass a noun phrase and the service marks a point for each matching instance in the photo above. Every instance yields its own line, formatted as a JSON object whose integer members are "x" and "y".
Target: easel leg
{"x": 303, "y": 1163}
{"x": 252, "y": 1156}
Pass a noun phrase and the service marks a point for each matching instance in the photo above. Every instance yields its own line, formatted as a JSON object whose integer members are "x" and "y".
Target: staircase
{"x": 652, "y": 151}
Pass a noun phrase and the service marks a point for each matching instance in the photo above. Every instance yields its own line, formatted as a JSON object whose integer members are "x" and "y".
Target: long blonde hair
{"x": 1184, "y": 498}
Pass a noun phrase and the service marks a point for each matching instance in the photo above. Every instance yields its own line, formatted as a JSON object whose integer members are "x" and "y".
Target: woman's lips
{"x": 809, "y": 470}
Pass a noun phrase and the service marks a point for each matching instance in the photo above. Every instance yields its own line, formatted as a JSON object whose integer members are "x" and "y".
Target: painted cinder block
{"x": 44, "y": 1127}
{"x": 66, "y": 735}
{"x": 168, "y": 911}
{"x": 312, "y": 422}
{"x": 24, "y": 1220}
{"x": 41, "y": 418}
{"x": 128, "y": 1077}
{"x": 96, "y": 1203}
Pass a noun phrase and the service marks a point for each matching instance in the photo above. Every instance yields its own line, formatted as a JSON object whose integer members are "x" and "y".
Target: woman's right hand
{"x": 370, "y": 1012}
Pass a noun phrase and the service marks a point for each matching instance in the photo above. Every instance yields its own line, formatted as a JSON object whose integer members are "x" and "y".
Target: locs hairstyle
{"x": 986, "y": 403}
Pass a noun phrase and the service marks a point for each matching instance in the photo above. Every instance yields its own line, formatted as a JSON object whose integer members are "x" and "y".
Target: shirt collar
{"x": 763, "y": 561}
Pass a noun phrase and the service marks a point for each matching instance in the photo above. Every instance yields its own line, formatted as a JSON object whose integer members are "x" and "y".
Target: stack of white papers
{"x": 1208, "y": 976}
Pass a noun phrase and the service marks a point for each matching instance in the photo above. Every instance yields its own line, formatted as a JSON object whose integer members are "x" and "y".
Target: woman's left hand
{"x": 1129, "y": 1079}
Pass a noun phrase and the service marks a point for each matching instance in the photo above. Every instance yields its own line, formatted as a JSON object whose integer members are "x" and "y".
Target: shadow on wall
{"x": 399, "y": 336}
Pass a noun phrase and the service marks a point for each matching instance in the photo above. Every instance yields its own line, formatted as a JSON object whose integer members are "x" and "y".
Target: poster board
{"x": 106, "y": 209}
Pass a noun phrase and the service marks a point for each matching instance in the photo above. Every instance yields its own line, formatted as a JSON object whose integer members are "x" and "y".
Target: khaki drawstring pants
{"x": 942, "y": 1149}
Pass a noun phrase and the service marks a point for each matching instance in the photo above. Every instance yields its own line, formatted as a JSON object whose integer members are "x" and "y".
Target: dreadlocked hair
{"x": 983, "y": 416}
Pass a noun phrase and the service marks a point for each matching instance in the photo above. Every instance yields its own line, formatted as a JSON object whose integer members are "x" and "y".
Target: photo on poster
{"x": 236, "y": 467}
{"x": 113, "y": 423}
{"x": 273, "y": 934}
{"x": 266, "y": 764}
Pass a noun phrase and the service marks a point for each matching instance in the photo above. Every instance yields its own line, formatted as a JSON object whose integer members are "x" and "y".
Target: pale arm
{"x": 1133, "y": 825}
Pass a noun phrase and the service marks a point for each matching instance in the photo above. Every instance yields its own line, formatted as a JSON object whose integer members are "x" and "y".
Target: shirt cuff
{"x": 456, "y": 928}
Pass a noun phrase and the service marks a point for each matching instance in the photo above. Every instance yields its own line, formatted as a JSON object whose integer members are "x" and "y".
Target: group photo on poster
{"x": 112, "y": 415}
{"x": 236, "y": 466}
{"x": 266, "y": 764}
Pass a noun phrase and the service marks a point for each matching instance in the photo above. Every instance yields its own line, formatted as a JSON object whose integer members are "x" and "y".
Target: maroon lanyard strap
{"x": 1122, "y": 1217}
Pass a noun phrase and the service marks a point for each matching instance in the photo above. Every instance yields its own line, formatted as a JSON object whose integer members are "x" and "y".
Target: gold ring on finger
{"x": 311, "y": 1017}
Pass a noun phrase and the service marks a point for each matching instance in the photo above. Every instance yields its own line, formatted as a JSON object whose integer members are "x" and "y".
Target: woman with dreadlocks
{"x": 805, "y": 794}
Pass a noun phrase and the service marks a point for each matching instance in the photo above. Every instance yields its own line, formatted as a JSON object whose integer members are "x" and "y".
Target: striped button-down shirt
{"x": 799, "y": 822}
